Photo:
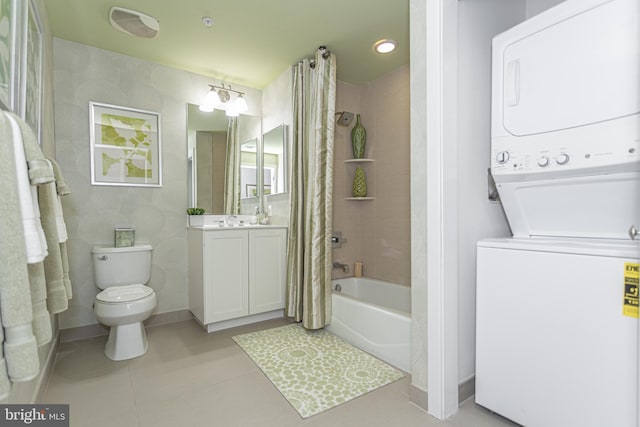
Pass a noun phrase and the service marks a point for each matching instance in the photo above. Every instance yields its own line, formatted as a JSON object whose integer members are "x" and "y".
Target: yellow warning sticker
{"x": 631, "y": 279}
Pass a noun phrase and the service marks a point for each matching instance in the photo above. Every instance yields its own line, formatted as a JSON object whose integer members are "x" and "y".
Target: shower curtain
{"x": 310, "y": 196}
{"x": 232, "y": 169}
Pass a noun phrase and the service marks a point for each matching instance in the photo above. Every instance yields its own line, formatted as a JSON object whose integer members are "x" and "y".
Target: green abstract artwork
{"x": 125, "y": 147}
{"x": 132, "y": 135}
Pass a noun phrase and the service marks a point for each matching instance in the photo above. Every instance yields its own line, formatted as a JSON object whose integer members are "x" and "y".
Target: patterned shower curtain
{"x": 232, "y": 170}
{"x": 310, "y": 196}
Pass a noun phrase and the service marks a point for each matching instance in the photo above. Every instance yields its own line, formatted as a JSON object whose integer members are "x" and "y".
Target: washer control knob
{"x": 543, "y": 161}
{"x": 562, "y": 159}
{"x": 502, "y": 157}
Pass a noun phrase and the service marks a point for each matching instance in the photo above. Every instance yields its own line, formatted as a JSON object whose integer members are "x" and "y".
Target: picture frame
{"x": 10, "y": 53}
{"x": 125, "y": 146}
{"x": 32, "y": 105}
{"x": 251, "y": 190}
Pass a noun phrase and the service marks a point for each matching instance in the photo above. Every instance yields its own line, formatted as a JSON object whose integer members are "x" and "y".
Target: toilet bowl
{"x": 125, "y": 301}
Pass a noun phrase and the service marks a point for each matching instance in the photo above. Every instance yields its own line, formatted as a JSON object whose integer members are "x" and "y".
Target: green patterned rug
{"x": 314, "y": 370}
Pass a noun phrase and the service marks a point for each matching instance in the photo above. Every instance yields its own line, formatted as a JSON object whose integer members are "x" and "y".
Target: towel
{"x": 20, "y": 349}
{"x": 61, "y": 187}
{"x": 57, "y": 213}
{"x": 41, "y": 324}
{"x": 40, "y": 171}
{"x": 65, "y": 269}
{"x": 5, "y": 384}
{"x": 33, "y": 233}
{"x": 56, "y": 292}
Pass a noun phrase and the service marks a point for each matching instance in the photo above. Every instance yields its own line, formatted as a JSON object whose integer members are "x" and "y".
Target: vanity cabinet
{"x": 236, "y": 273}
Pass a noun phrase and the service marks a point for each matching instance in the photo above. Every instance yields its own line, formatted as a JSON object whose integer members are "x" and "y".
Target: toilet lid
{"x": 125, "y": 293}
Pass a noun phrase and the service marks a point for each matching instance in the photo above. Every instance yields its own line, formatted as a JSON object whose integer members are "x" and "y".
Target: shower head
{"x": 344, "y": 118}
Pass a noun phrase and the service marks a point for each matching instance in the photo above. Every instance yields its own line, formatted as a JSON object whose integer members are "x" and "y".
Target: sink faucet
{"x": 344, "y": 267}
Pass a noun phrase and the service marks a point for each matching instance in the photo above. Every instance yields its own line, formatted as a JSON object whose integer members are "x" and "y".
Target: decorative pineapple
{"x": 359, "y": 184}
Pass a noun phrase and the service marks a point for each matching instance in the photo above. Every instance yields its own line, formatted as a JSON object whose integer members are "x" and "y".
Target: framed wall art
{"x": 9, "y": 53}
{"x": 125, "y": 146}
{"x": 33, "y": 72}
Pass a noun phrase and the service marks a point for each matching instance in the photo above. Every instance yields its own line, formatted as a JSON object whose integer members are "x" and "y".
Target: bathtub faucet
{"x": 344, "y": 267}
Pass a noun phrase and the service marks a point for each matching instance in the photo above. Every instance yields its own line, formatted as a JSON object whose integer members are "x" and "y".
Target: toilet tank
{"x": 121, "y": 266}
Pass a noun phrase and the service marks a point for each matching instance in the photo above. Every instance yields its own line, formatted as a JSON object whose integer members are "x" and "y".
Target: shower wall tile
{"x": 379, "y": 231}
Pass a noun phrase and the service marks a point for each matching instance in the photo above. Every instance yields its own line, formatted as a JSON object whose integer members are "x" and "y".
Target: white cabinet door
{"x": 226, "y": 275}
{"x": 267, "y": 261}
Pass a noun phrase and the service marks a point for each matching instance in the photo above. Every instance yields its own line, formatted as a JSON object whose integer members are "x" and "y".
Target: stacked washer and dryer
{"x": 557, "y": 304}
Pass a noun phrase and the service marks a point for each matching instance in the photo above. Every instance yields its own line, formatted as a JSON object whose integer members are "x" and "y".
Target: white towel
{"x": 33, "y": 234}
{"x": 57, "y": 208}
{"x": 36, "y": 207}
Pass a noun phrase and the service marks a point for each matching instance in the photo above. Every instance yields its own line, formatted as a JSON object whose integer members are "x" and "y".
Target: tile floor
{"x": 191, "y": 378}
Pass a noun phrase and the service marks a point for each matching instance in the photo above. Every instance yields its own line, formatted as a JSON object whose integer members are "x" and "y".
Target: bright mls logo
{"x": 34, "y": 415}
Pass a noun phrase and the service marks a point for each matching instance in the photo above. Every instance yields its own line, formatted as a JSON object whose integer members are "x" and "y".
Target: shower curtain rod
{"x": 325, "y": 55}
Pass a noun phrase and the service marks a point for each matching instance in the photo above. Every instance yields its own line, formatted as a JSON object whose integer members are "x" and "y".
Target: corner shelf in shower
{"x": 359, "y": 160}
{"x": 363, "y": 162}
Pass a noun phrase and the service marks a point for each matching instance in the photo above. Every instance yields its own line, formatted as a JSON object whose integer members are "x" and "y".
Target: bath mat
{"x": 314, "y": 370}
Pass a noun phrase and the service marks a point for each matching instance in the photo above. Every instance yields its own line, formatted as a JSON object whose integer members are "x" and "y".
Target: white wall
{"x": 478, "y": 22}
{"x": 534, "y": 7}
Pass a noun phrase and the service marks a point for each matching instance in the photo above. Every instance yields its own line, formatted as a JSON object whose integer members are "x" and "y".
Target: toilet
{"x": 125, "y": 302}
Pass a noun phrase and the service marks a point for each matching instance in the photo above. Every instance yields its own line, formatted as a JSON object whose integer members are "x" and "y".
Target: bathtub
{"x": 374, "y": 316}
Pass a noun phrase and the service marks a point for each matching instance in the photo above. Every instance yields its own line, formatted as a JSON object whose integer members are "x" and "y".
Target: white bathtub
{"x": 374, "y": 316}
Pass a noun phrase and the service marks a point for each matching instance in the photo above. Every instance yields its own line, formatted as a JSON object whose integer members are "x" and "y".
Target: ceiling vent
{"x": 134, "y": 23}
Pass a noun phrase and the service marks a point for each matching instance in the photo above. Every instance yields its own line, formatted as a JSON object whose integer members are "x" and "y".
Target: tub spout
{"x": 339, "y": 265}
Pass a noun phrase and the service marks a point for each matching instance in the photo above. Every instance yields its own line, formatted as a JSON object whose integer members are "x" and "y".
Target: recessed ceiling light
{"x": 384, "y": 46}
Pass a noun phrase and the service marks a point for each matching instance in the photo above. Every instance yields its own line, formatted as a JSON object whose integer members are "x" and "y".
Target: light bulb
{"x": 384, "y": 46}
{"x": 240, "y": 104}
{"x": 211, "y": 100}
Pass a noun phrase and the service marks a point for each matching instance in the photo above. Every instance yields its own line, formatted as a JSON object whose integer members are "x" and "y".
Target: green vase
{"x": 359, "y": 184}
{"x": 358, "y": 139}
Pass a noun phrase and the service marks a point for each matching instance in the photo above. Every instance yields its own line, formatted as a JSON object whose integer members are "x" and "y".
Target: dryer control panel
{"x": 563, "y": 153}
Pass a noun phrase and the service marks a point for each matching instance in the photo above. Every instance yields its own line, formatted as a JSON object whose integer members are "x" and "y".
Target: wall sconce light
{"x": 220, "y": 98}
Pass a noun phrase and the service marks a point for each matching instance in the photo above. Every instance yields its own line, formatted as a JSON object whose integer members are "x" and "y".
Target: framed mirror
{"x": 221, "y": 158}
{"x": 274, "y": 160}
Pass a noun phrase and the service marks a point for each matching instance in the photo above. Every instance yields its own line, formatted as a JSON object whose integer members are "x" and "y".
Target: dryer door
{"x": 576, "y": 72}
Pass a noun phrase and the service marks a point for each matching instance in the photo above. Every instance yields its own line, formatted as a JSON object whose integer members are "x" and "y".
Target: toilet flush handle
{"x": 102, "y": 258}
{"x": 633, "y": 232}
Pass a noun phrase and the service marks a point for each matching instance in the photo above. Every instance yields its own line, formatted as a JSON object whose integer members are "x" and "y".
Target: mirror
{"x": 274, "y": 164}
{"x": 221, "y": 159}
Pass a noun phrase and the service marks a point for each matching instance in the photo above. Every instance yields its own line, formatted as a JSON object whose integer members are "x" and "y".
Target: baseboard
{"x": 466, "y": 389}
{"x": 43, "y": 380}
{"x": 97, "y": 329}
{"x": 419, "y": 397}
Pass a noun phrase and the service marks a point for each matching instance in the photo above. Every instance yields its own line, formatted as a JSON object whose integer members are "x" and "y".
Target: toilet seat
{"x": 124, "y": 294}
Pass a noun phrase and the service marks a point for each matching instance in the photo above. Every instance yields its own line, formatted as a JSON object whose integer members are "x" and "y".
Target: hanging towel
{"x": 61, "y": 187}
{"x": 36, "y": 208}
{"x": 41, "y": 324}
{"x": 40, "y": 171}
{"x": 5, "y": 384}
{"x": 61, "y": 227}
{"x": 20, "y": 349}
{"x": 56, "y": 292}
{"x": 33, "y": 234}
{"x": 65, "y": 269}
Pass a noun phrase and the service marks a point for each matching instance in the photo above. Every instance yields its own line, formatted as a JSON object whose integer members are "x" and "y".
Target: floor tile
{"x": 193, "y": 378}
{"x": 249, "y": 400}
